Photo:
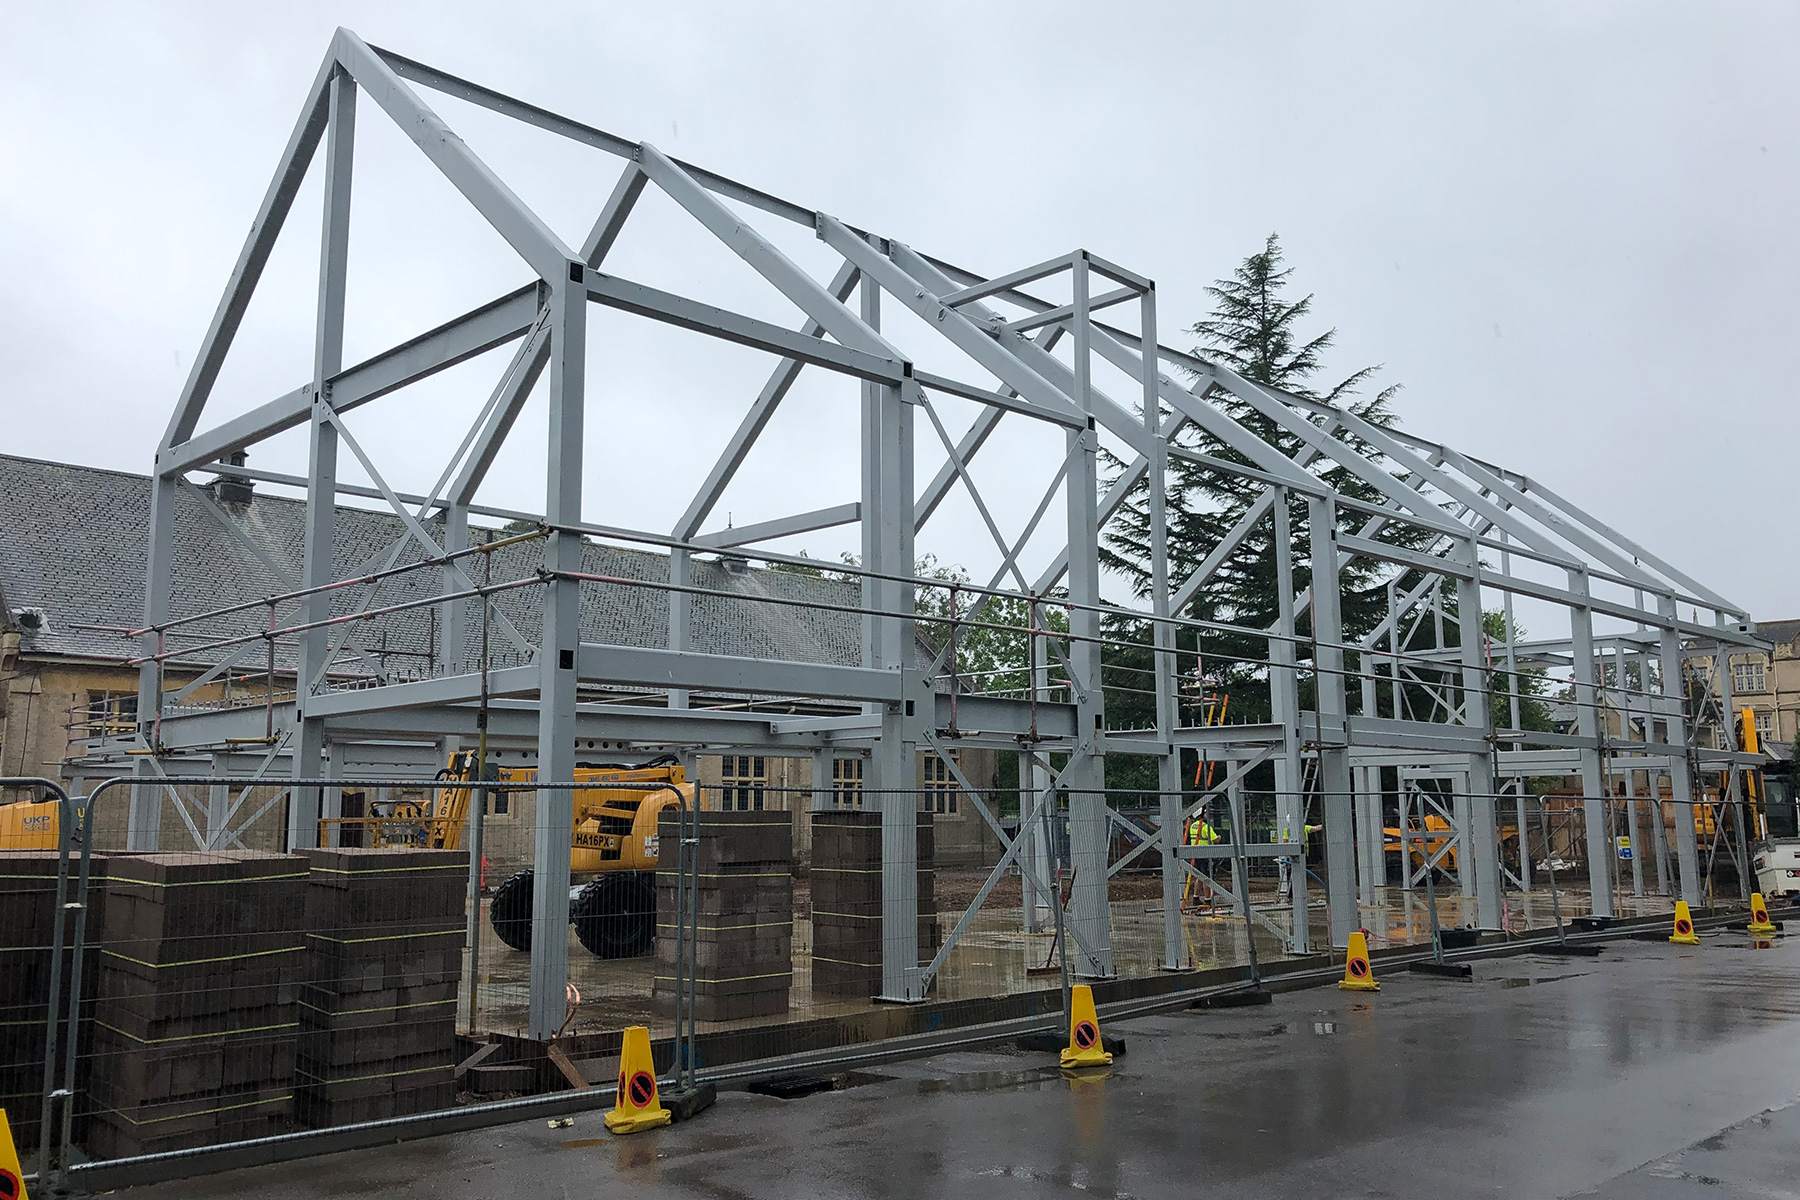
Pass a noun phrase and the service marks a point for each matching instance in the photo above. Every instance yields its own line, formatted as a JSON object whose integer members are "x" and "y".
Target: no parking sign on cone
{"x": 12, "y": 1176}
{"x": 1359, "y": 976}
{"x": 1684, "y": 934}
{"x": 638, "y": 1107}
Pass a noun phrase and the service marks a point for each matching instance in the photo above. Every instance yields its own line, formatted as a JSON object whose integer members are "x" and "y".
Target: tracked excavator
{"x": 613, "y": 848}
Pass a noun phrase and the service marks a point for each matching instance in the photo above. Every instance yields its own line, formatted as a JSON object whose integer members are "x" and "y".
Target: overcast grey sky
{"x": 1569, "y": 230}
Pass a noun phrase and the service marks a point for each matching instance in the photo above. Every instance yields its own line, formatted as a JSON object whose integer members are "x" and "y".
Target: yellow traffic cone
{"x": 1684, "y": 934}
{"x": 1759, "y": 915}
{"x": 1358, "y": 975}
{"x": 1084, "y": 1048}
{"x": 12, "y": 1176}
{"x": 638, "y": 1106}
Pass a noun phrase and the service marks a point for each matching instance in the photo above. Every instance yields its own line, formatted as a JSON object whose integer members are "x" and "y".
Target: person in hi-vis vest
{"x": 1287, "y": 864}
{"x": 1200, "y": 832}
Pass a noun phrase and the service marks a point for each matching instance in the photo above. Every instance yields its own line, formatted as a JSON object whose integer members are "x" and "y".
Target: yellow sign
{"x": 12, "y": 1176}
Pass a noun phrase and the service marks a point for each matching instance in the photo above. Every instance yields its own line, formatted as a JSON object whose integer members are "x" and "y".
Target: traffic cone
{"x": 1084, "y": 1048}
{"x": 1684, "y": 934}
{"x": 12, "y": 1176}
{"x": 1358, "y": 975}
{"x": 1759, "y": 915}
{"x": 638, "y": 1107}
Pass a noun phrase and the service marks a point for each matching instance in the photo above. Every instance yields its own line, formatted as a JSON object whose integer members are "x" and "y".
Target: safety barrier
{"x": 228, "y": 1004}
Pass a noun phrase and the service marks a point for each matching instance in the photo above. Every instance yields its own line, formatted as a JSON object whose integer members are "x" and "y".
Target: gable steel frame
{"x": 1040, "y": 362}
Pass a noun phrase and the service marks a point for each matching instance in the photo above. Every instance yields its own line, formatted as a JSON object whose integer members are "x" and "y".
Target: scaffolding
{"x": 1449, "y": 530}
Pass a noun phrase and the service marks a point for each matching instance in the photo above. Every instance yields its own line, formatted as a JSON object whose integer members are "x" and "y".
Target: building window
{"x": 111, "y": 714}
{"x": 743, "y": 781}
{"x": 846, "y": 782}
{"x": 941, "y": 791}
{"x": 1747, "y": 676}
{"x": 1765, "y": 729}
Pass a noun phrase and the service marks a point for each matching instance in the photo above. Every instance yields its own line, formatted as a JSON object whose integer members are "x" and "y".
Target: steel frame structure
{"x": 1485, "y": 529}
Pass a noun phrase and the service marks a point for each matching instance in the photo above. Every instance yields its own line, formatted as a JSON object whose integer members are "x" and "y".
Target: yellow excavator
{"x": 613, "y": 848}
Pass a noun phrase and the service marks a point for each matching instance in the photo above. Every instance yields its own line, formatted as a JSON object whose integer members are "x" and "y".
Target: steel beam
{"x": 751, "y": 427}
{"x": 493, "y": 324}
{"x": 780, "y": 527}
{"x": 729, "y": 326}
{"x": 258, "y": 244}
{"x": 510, "y": 216}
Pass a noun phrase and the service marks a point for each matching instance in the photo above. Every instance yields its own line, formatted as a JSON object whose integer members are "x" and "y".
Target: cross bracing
{"x": 1066, "y": 349}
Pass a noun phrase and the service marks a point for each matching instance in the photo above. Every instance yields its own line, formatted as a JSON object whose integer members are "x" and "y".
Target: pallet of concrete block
{"x": 385, "y": 933}
{"x": 195, "y": 1011}
{"x": 27, "y": 930}
{"x": 744, "y": 940}
{"x": 846, "y": 901}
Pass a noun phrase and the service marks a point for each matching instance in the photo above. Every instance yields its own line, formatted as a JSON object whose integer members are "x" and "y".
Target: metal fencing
{"x": 167, "y": 1003}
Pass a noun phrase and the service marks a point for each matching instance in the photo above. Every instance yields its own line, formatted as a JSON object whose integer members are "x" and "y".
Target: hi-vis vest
{"x": 1201, "y": 833}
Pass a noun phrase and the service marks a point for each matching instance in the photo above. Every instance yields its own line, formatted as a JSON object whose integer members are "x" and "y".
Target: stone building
{"x": 72, "y": 574}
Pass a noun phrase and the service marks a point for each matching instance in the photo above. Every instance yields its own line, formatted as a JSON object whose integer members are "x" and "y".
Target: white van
{"x": 1777, "y": 867}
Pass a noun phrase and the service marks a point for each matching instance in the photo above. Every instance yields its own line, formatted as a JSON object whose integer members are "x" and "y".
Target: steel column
{"x": 1284, "y": 695}
{"x": 1587, "y": 723}
{"x": 319, "y": 566}
{"x": 559, "y": 649}
{"x": 1089, "y": 835}
{"x": 1680, "y": 733}
{"x": 1483, "y": 844}
{"x": 1162, "y": 639}
{"x": 1334, "y": 757}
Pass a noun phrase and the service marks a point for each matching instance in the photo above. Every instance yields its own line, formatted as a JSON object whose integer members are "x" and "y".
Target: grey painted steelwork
{"x": 1384, "y": 709}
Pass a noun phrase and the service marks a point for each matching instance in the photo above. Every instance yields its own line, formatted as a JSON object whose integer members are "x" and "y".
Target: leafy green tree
{"x": 1533, "y": 684}
{"x": 1255, "y": 329}
{"x": 993, "y": 655}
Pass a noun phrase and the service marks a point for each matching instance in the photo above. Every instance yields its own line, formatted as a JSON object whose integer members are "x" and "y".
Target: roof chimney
{"x": 232, "y": 489}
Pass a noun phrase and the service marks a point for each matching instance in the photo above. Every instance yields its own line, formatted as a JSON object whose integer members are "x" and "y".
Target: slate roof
{"x": 1779, "y": 632}
{"x": 72, "y": 544}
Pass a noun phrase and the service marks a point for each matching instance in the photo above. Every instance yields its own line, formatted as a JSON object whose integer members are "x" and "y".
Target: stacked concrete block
{"x": 195, "y": 1011}
{"x": 384, "y": 942}
{"x": 27, "y": 915}
{"x": 846, "y": 901}
{"x": 743, "y": 949}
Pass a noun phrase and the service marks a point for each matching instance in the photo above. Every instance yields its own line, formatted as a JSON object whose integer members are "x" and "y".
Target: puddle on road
{"x": 1520, "y": 982}
{"x": 584, "y": 1143}
{"x": 989, "y": 1081}
{"x": 1234, "y": 1034}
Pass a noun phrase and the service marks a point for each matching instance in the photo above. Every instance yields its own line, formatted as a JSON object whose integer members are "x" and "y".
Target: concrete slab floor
{"x": 995, "y": 956}
{"x": 1641, "y": 1073}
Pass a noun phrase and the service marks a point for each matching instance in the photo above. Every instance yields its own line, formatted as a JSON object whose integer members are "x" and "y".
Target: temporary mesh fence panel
{"x": 233, "y": 994}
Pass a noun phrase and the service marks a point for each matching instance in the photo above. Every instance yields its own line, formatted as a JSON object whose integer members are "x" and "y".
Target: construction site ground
{"x": 996, "y": 957}
{"x": 1652, "y": 1071}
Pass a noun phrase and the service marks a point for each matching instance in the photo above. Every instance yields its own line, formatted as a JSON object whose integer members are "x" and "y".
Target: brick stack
{"x": 27, "y": 914}
{"x": 195, "y": 1013}
{"x": 743, "y": 951}
{"x": 846, "y": 901}
{"x": 378, "y": 1009}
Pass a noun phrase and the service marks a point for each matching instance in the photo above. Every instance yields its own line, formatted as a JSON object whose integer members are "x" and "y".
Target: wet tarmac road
{"x": 1649, "y": 1072}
